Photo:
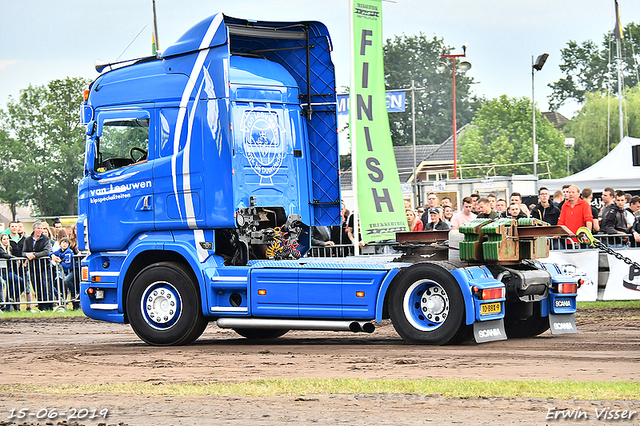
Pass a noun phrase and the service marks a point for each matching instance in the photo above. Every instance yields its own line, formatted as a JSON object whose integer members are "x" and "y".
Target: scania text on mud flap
{"x": 205, "y": 167}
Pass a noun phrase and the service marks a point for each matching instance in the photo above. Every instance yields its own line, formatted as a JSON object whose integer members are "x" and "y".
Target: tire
{"x": 260, "y": 333}
{"x": 527, "y": 327}
{"x": 163, "y": 305}
{"x": 426, "y": 305}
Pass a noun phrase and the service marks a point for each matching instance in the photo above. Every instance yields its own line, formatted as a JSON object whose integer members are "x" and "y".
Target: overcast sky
{"x": 42, "y": 40}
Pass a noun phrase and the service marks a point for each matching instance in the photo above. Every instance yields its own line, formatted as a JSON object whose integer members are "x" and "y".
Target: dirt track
{"x": 78, "y": 351}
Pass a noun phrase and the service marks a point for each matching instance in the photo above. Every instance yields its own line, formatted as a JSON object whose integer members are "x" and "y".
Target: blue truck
{"x": 205, "y": 168}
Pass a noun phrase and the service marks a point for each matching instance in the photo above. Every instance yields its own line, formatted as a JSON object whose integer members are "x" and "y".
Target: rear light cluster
{"x": 567, "y": 288}
{"x": 488, "y": 293}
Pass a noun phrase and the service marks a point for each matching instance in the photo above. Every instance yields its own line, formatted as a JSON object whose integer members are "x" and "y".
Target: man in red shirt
{"x": 575, "y": 212}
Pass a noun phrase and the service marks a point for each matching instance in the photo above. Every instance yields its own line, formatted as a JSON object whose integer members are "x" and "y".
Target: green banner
{"x": 379, "y": 197}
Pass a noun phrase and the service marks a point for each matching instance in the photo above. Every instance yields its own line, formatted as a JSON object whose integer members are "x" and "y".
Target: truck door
{"x": 121, "y": 187}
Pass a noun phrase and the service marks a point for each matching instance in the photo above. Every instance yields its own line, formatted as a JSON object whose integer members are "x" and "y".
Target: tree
{"x": 12, "y": 187}
{"x": 45, "y": 150}
{"x": 588, "y": 68}
{"x": 597, "y": 123}
{"x": 501, "y": 133}
{"x": 415, "y": 58}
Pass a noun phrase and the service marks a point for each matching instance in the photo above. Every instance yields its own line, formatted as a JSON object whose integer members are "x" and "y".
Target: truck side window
{"x": 122, "y": 143}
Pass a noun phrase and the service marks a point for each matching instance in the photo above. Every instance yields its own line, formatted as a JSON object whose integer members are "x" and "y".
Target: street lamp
{"x": 535, "y": 66}
{"x": 569, "y": 143}
{"x": 463, "y": 66}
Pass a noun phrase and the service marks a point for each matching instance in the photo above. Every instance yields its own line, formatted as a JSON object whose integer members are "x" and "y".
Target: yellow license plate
{"x": 490, "y": 308}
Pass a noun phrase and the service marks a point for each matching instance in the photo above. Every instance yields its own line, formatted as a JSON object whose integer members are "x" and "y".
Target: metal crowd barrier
{"x": 614, "y": 241}
{"x": 26, "y": 283}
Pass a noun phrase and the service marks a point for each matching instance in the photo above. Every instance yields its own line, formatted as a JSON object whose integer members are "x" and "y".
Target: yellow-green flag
{"x": 380, "y": 203}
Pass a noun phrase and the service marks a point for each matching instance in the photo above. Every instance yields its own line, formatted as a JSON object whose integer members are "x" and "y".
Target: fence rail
{"x": 615, "y": 241}
{"x": 42, "y": 282}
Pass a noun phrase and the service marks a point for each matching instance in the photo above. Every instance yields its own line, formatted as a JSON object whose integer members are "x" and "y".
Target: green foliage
{"x": 415, "y": 58}
{"x": 501, "y": 133}
{"x": 586, "y": 67}
{"x": 597, "y": 122}
{"x": 42, "y": 148}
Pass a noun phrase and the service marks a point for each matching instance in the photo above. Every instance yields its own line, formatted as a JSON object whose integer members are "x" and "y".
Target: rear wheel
{"x": 426, "y": 305}
{"x": 260, "y": 333}
{"x": 163, "y": 305}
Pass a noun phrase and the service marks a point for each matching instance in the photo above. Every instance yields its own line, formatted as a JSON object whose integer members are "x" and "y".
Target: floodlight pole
{"x": 535, "y": 65}
{"x": 455, "y": 127}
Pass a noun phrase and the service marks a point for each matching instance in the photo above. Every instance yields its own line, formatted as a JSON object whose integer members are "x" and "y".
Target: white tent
{"x": 615, "y": 170}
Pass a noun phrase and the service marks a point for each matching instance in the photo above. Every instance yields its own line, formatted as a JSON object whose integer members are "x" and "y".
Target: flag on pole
{"x": 376, "y": 180}
{"x": 618, "y": 29}
{"x": 153, "y": 44}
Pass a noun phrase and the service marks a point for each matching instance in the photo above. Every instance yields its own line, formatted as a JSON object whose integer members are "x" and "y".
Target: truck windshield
{"x": 122, "y": 143}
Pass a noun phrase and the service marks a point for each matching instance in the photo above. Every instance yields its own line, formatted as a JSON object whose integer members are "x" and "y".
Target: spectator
{"x": 517, "y": 198}
{"x": 436, "y": 224}
{"x": 565, "y": 195}
{"x": 320, "y": 237}
{"x": 486, "y": 212}
{"x": 558, "y": 198}
{"x": 465, "y": 215}
{"x": 514, "y": 212}
{"x": 474, "y": 203}
{"x": 420, "y": 211}
{"x": 630, "y": 212}
{"x": 635, "y": 230}
{"x": 15, "y": 283}
{"x": 447, "y": 215}
{"x": 501, "y": 206}
{"x": 17, "y": 240}
{"x": 57, "y": 227}
{"x": 37, "y": 248}
{"x": 64, "y": 256}
{"x": 587, "y": 195}
{"x": 614, "y": 221}
{"x": 432, "y": 203}
{"x": 575, "y": 212}
{"x": 493, "y": 201}
{"x": 608, "y": 196}
{"x": 338, "y": 233}
{"x": 446, "y": 202}
{"x": 414, "y": 223}
{"x": 73, "y": 237}
{"x": 545, "y": 210}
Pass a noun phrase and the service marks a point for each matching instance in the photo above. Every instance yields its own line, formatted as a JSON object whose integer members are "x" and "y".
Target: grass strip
{"x": 609, "y": 304}
{"x": 46, "y": 314}
{"x": 566, "y": 389}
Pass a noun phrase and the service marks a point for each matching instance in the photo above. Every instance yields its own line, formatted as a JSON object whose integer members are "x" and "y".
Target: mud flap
{"x": 562, "y": 323}
{"x": 488, "y": 331}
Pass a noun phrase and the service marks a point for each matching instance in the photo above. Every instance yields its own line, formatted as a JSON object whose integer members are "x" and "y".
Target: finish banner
{"x": 380, "y": 203}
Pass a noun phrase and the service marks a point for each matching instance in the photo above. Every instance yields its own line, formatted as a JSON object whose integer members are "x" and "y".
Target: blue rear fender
{"x": 559, "y": 303}
{"x": 466, "y": 279}
{"x": 481, "y": 277}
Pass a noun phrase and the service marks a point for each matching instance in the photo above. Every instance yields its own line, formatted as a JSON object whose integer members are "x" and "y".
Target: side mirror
{"x": 90, "y": 157}
{"x": 91, "y": 128}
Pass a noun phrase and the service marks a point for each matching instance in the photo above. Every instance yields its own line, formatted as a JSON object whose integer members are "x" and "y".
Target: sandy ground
{"x": 78, "y": 351}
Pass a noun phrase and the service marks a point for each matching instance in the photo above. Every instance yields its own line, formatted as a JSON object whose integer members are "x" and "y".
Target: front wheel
{"x": 163, "y": 305}
{"x": 426, "y": 305}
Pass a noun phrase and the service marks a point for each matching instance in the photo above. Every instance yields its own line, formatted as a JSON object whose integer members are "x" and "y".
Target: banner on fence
{"x": 580, "y": 264}
{"x": 622, "y": 277}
